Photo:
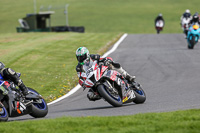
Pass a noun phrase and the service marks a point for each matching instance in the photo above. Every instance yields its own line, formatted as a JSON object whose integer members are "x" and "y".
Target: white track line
{"x": 78, "y": 86}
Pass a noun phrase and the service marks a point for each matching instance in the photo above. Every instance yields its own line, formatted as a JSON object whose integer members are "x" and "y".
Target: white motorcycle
{"x": 159, "y": 26}
{"x": 185, "y": 25}
{"x": 111, "y": 85}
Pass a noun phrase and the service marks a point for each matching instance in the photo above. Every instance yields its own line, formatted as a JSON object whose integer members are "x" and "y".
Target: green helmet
{"x": 82, "y": 55}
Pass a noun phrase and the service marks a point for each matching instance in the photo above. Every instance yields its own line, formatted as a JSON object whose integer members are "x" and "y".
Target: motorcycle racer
{"x": 83, "y": 56}
{"x": 185, "y": 20}
{"x": 186, "y": 14}
{"x": 160, "y": 17}
{"x": 195, "y": 19}
{"x": 9, "y": 74}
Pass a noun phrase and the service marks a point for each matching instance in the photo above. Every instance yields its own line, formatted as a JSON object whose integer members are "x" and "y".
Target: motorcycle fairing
{"x": 192, "y": 32}
{"x": 6, "y": 92}
{"x": 89, "y": 83}
{"x": 185, "y": 23}
{"x": 159, "y": 23}
{"x": 1, "y": 77}
{"x": 127, "y": 94}
{"x": 92, "y": 73}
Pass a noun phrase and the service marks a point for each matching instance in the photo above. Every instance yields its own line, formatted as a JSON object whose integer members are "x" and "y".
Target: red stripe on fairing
{"x": 96, "y": 66}
{"x": 103, "y": 68}
{"x": 80, "y": 82}
{"x": 87, "y": 82}
{"x": 109, "y": 58}
{"x": 97, "y": 74}
{"x": 113, "y": 76}
{"x": 88, "y": 86}
{"x": 7, "y": 84}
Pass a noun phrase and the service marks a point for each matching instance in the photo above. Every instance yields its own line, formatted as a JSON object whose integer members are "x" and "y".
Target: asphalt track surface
{"x": 167, "y": 70}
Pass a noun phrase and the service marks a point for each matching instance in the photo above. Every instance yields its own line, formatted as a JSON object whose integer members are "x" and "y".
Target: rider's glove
{"x": 107, "y": 62}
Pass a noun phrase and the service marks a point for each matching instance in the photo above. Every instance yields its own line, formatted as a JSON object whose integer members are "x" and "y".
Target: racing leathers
{"x": 92, "y": 95}
{"x": 195, "y": 20}
{"x": 9, "y": 74}
{"x": 159, "y": 18}
{"x": 186, "y": 15}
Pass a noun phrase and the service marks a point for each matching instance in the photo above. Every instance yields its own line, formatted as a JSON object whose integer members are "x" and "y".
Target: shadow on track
{"x": 93, "y": 108}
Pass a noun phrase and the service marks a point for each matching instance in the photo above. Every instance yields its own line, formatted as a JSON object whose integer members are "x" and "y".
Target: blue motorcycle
{"x": 193, "y": 36}
{"x": 14, "y": 104}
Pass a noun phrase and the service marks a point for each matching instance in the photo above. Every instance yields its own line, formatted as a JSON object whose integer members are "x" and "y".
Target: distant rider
{"x": 195, "y": 19}
{"x": 9, "y": 74}
{"x": 83, "y": 57}
{"x": 160, "y": 17}
{"x": 186, "y": 14}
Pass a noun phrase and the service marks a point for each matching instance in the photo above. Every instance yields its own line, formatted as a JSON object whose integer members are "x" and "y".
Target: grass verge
{"x": 47, "y": 61}
{"x": 171, "y": 122}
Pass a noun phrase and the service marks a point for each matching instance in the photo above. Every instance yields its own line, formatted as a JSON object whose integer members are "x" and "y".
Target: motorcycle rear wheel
{"x": 116, "y": 102}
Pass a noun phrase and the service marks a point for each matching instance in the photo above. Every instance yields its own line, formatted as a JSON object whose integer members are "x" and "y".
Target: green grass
{"x": 171, "y": 122}
{"x": 47, "y": 61}
{"x": 131, "y": 16}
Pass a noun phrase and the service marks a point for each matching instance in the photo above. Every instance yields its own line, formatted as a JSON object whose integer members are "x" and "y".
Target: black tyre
{"x": 38, "y": 109}
{"x": 114, "y": 100}
{"x": 3, "y": 113}
{"x": 192, "y": 43}
{"x": 140, "y": 96}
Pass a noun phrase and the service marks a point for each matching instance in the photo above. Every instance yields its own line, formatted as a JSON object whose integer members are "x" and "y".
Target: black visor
{"x": 81, "y": 58}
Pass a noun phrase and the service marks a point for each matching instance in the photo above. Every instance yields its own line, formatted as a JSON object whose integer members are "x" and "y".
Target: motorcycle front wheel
{"x": 38, "y": 109}
{"x": 3, "y": 113}
{"x": 114, "y": 99}
{"x": 140, "y": 95}
{"x": 192, "y": 42}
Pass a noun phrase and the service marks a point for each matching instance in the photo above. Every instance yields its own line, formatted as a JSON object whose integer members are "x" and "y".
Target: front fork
{"x": 126, "y": 93}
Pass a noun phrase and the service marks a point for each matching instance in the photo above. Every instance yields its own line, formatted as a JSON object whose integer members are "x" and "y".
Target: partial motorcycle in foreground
{"x": 159, "y": 26}
{"x": 193, "y": 36}
{"x": 111, "y": 85}
{"x": 14, "y": 104}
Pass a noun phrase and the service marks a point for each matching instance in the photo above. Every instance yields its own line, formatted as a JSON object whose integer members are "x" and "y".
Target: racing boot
{"x": 24, "y": 89}
{"x": 130, "y": 78}
{"x": 93, "y": 96}
{"x": 126, "y": 75}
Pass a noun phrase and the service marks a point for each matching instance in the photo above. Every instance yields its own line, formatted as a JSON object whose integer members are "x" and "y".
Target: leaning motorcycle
{"x": 159, "y": 26}
{"x": 14, "y": 104}
{"x": 111, "y": 85}
{"x": 193, "y": 36}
